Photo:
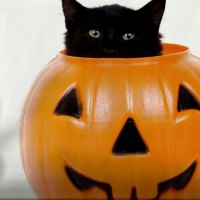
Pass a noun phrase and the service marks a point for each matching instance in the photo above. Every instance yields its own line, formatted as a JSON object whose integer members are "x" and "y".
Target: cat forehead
{"x": 114, "y": 10}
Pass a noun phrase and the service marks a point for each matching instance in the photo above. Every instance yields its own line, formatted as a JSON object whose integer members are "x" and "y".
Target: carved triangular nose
{"x": 129, "y": 140}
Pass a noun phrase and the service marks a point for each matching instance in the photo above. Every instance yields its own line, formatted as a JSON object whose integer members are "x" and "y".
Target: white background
{"x": 31, "y": 34}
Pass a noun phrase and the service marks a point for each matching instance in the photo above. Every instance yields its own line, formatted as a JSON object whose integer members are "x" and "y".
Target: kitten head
{"x": 113, "y": 31}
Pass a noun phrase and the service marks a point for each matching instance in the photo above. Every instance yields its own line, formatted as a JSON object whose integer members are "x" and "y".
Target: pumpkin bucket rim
{"x": 169, "y": 50}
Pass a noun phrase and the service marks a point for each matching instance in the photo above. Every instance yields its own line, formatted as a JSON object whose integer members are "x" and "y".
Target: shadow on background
{"x": 13, "y": 182}
{"x": 1, "y": 167}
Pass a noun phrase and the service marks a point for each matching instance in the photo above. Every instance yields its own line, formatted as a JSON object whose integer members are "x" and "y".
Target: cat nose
{"x": 109, "y": 51}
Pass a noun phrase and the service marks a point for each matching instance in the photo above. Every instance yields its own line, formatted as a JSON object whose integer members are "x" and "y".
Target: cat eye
{"x": 128, "y": 36}
{"x": 94, "y": 33}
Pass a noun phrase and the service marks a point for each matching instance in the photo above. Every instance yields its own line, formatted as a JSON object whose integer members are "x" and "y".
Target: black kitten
{"x": 113, "y": 31}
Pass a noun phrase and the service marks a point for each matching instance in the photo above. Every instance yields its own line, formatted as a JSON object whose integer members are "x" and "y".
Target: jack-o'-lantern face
{"x": 116, "y": 131}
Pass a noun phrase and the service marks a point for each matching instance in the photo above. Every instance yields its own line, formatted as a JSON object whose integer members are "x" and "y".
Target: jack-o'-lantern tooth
{"x": 147, "y": 190}
{"x": 129, "y": 141}
{"x": 122, "y": 191}
{"x": 186, "y": 100}
{"x": 69, "y": 105}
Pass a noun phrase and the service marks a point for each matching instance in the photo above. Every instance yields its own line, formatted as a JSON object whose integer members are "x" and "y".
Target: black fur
{"x": 113, "y": 22}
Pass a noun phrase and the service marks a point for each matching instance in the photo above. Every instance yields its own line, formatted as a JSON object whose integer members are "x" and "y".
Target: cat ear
{"x": 154, "y": 11}
{"x": 71, "y": 9}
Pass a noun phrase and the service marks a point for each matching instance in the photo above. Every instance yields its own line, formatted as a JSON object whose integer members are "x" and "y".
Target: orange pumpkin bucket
{"x": 114, "y": 128}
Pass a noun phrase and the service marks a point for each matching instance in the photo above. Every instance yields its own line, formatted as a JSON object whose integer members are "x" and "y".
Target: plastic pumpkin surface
{"x": 114, "y": 128}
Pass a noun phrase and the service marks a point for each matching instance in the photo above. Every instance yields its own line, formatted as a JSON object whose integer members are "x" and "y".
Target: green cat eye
{"x": 94, "y": 33}
{"x": 128, "y": 36}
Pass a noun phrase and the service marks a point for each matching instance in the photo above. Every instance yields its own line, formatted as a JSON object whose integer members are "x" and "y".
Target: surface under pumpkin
{"x": 115, "y": 128}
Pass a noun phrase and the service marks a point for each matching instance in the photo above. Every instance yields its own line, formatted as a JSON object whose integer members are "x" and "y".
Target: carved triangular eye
{"x": 69, "y": 105}
{"x": 186, "y": 100}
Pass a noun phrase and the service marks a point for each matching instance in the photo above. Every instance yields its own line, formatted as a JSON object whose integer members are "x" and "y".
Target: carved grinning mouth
{"x": 179, "y": 182}
{"x": 83, "y": 183}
